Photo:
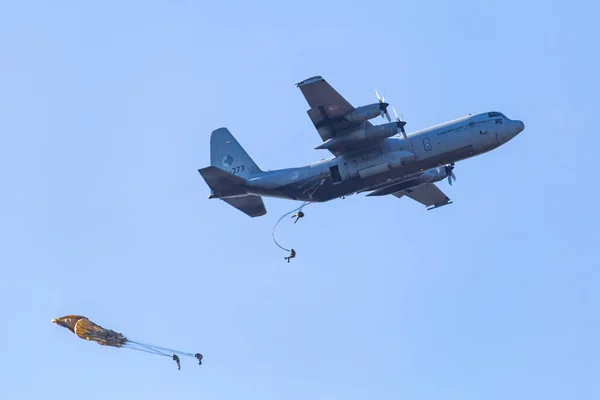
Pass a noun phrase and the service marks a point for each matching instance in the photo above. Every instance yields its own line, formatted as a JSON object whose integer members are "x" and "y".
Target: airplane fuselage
{"x": 390, "y": 162}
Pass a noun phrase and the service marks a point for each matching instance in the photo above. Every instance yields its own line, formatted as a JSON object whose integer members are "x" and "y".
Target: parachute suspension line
{"x": 159, "y": 348}
{"x": 148, "y": 350}
{"x": 282, "y": 217}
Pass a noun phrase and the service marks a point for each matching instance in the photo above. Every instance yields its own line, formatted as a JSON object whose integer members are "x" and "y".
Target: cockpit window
{"x": 495, "y": 114}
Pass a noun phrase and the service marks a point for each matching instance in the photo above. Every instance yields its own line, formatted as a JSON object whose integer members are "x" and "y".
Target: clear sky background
{"x": 106, "y": 113}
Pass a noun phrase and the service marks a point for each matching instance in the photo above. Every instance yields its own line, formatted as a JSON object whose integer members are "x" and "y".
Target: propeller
{"x": 400, "y": 124}
{"x": 383, "y": 107}
{"x": 449, "y": 173}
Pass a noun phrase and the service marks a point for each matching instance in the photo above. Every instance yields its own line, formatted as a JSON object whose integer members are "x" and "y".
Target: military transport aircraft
{"x": 380, "y": 159}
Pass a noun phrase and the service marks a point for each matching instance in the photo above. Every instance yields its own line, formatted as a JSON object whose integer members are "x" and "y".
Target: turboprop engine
{"x": 436, "y": 174}
{"x": 367, "y": 112}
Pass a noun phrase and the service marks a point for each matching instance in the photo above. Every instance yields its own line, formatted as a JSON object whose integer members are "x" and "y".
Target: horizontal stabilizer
{"x": 232, "y": 190}
{"x": 222, "y": 183}
{"x": 250, "y": 205}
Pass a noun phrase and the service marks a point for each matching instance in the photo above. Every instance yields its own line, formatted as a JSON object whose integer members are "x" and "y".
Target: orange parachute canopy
{"x": 86, "y": 329}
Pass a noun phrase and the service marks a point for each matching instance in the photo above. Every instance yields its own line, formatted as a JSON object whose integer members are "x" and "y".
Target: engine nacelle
{"x": 363, "y": 113}
{"x": 434, "y": 175}
{"x": 360, "y": 137}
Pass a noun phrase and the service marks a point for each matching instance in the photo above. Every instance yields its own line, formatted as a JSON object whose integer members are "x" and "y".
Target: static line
{"x": 282, "y": 217}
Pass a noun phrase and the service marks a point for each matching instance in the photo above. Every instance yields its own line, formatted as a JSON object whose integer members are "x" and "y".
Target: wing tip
{"x": 310, "y": 80}
{"x": 446, "y": 203}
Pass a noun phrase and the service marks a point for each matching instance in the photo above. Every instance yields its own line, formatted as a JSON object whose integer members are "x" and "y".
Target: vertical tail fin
{"x": 230, "y": 169}
{"x": 227, "y": 154}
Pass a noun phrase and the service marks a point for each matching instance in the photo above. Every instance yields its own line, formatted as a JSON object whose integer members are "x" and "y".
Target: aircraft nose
{"x": 519, "y": 126}
{"x": 510, "y": 130}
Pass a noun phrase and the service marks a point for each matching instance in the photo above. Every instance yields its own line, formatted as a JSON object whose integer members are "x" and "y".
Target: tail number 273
{"x": 237, "y": 169}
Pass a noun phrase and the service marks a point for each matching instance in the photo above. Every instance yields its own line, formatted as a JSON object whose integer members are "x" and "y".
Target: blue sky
{"x": 107, "y": 111}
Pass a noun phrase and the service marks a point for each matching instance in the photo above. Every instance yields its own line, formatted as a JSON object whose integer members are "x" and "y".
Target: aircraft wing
{"x": 428, "y": 194}
{"x": 327, "y": 107}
